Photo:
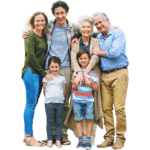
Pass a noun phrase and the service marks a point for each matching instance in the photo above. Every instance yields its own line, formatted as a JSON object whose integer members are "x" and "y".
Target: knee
{"x": 120, "y": 110}
{"x": 88, "y": 121}
{"x": 79, "y": 122}
{"x": 30, "y": 106}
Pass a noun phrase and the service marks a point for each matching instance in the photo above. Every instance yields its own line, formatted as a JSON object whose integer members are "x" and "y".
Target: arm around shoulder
{"x": 74, "y": 61}
{"x": 94, "y": 59}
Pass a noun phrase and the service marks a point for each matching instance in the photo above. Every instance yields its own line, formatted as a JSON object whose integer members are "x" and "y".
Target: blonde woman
{"x": 33, "y": 71}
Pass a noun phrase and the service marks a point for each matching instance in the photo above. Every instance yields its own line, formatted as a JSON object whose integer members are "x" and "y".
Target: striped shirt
{"x": 83, "y": 94}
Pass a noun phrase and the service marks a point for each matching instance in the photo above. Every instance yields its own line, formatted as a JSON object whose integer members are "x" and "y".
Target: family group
{"x": 83, "y": 75}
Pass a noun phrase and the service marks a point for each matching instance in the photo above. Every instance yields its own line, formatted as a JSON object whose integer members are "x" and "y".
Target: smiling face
{"x": 39, "y": 22}
{"x": 86, "y": 29}
{"x": 54, "y": 68}
{"x": 101, "y": 24}
{"x": 60, "y": 16}
{"x": 84, "y": 60}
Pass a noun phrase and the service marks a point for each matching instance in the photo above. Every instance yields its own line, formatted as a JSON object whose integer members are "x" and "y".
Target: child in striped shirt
{"x": 83, "y": 99}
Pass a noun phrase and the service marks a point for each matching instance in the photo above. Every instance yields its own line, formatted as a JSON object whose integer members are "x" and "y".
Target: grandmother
{"x": 86, "y": 42}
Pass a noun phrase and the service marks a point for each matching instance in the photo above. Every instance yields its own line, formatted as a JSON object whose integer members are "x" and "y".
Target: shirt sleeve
{"x": 74, "y": 74}
{"x": 118, "y": 45}
{"x": 94, "y": 59}
{"x": 95, "y": 77}
{"x": 74, "y": 62}
{"x": 30, "y": 44}
{"x": 44, "y": 80}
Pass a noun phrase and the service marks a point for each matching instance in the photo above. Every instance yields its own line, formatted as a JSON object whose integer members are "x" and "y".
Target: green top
{"x": 35, "y": 54}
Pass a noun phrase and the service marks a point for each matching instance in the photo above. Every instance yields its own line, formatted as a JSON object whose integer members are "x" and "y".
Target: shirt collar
{"x": 109, "y": 33}
{"x": 83, "y": 71}
{"x": 81, "y": 41}
{"x": 69, "y": 23}
{"x": 110, "y": 30}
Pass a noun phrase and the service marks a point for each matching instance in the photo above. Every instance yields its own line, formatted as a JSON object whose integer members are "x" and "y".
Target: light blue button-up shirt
{"x": 115, "y": 46}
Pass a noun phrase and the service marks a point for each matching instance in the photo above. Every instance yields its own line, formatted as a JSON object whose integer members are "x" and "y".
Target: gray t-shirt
{"x": 54, "y": 90}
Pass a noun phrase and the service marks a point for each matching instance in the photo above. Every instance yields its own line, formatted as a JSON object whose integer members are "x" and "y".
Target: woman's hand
{"x": 86, "y": 79}
{"x": 79, "y": 78}
{"x": 49, "y": 77}
{"x": 96, "y": 51}
{"x": 91, "y": 81}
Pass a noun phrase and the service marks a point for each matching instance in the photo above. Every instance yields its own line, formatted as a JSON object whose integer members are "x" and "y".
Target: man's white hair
{"x": 103, "y": 14}
{"x": 83, "y": 19}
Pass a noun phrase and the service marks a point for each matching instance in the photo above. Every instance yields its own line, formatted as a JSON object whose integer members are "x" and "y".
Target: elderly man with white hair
{"x": 114, "y": 78}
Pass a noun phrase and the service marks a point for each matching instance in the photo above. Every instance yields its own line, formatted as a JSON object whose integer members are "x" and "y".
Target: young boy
{"x": 83, "y": 100}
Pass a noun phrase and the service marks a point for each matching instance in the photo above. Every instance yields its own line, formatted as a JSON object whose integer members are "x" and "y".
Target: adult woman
{"x": 33, "y": 71}
{"x": 86, "y": 42}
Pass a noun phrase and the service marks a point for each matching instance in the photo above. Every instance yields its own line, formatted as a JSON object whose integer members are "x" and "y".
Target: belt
{"x": 108, "y": 71}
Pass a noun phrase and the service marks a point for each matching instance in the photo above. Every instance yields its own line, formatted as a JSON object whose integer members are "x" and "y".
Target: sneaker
{"x": 87, "y": 144}
{"x": 80, "y": 144}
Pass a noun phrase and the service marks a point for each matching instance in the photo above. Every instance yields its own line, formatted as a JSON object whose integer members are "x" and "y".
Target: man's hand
{"x": 26, "y": 34}
{"x": 115, "y": 27}
{"x": 74, "y": 40}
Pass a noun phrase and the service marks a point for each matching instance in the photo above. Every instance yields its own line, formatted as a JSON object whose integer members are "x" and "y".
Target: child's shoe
{"x": 88, "y": 144}
{"x": 80, "y": 144}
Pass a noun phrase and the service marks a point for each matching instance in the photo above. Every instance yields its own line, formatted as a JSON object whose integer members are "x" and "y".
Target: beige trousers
{"x": 114, "y": 88}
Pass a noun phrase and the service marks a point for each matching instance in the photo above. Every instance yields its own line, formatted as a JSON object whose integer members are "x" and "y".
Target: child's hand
{"x": 73, "y": 79}
{"x": 91, "y": 81}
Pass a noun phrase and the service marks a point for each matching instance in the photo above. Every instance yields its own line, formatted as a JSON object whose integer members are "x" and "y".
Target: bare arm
{"x": 74, "y": 85}
{"x": 64, "y": 90}
{"x": 93, "y": 85}
{"x": 44, "y": 87}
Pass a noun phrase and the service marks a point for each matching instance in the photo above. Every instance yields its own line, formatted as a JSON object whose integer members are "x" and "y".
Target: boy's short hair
{"x": 83, "y": 52}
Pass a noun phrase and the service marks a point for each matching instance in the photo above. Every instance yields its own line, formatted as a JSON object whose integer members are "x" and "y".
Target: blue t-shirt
{"x": 59, "y": 45}
{"x": 54, "y": 90}
{"x": 83, "y": 94}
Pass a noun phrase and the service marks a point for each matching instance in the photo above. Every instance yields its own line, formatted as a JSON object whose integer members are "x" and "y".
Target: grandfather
{"x": 114, "y": 79}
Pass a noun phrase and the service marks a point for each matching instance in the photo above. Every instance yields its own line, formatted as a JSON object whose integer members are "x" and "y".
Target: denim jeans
{"x": 33, "y": 84}
{"x": 54, "y": 112}
{"x": 83, "y": 110}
